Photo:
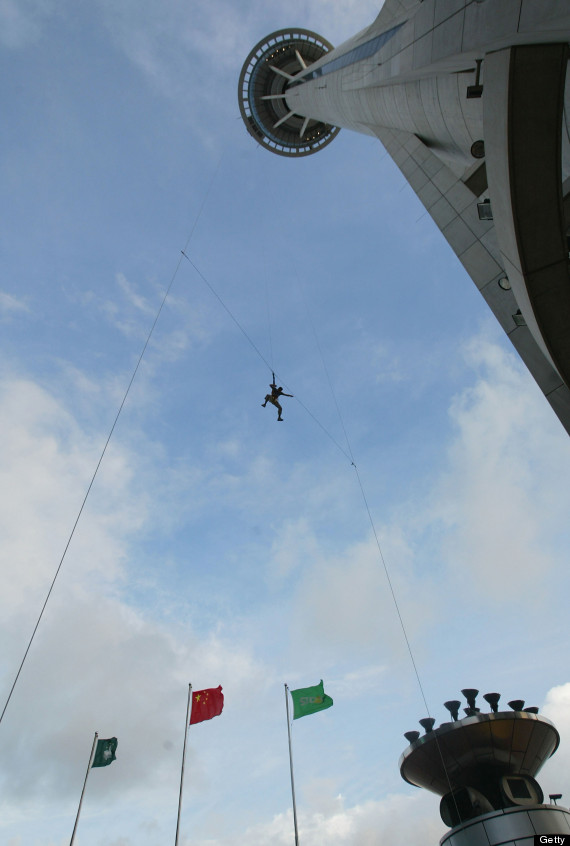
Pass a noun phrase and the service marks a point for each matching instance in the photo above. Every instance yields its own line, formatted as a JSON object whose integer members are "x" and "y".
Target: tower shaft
{"x": 469, "y": 97}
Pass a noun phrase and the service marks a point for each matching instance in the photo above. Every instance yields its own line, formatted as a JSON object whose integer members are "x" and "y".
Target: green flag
{"x": 105, "y": 752}
{"x": 309, "y": 700}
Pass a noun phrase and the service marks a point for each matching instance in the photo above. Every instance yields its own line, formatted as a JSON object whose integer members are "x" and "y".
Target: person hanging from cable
{"x": 273, "y": 398}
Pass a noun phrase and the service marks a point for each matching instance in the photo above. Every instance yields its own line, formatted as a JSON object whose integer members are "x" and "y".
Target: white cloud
{"x": 105, "y": 660}
{"x": 133, "y": 297}
{"x": 338, "y": 21}
{"x": 182, "y": 325}
{"x": 131, "y": 313}
{"x": 9, "y": 304}
{"x": 364, "y": 679}
{"x": 556, "y": 774}
{"x": 97, "y": 661}
{"x": 504, "y": 486}
{"x": 45, "y": 467}
{"x": 98, "y": 664}
{"x": 345, "y": 601}
{"x": 172, "y": 43}
{"x": 22, "y": 21}
{"x": 398, "y": 818}
{"x": 295, "y": 547}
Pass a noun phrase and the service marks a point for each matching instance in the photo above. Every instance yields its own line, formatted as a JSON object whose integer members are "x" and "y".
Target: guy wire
{"x": 350, "y": 456}
{"x": 375, "y": 533}
{"x": 104, "y": 450}
{"x": 258, "y": 351}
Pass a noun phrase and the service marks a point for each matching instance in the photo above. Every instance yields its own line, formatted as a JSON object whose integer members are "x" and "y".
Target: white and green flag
{"x": 105, "y": 752}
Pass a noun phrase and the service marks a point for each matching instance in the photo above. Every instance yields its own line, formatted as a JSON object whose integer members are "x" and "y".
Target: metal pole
{"x": 291, "y": 768}
{"x": 84, "y": 786}
{"x": 183, "y": 760}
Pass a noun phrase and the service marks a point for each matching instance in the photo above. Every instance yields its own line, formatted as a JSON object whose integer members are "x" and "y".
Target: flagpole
{"x": 291, "y": 767}
{"x": 84, "y": 786}
{"x": 183, "y": 759}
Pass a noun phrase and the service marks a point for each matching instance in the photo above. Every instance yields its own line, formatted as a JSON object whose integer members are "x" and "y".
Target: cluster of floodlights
{"x": 470, "y": 694}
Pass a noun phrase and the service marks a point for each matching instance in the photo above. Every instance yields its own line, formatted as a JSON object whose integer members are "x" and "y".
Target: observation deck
{"x": 271, "y": 67}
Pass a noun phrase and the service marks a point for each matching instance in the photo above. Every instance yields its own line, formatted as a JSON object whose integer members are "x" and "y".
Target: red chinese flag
{"x": 206, "y": 704}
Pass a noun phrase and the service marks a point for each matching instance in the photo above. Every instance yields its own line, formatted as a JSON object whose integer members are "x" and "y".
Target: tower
{"x": 484, "y": 767}
{"x": 468, "y": 97}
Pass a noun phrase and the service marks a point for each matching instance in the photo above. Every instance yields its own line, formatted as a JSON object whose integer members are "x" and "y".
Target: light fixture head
{"x": 427, "y": 723}
{"x": 504, "y": 283}
{"x": 453, "y": 706}
{"x": 516, "y": 704}
{"x": 532, "y": 709}
{"x": 472, "y": 712}
{"x": 470, "y": 694}
{"x": 493, "y": 700}
{"x": 411, "y": 736}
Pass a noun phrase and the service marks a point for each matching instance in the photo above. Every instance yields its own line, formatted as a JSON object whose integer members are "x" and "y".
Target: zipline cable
{"x": 110, "y": 435}
{"x": 327, "y": 375}
{"x": 365, "y": 500}
{"x": 269, "y": 332}
{"x": 374, "y": 532}
{"x": 407, "y": 640}
{"x": 350, "y": 456}
{"x": 269, "y": 325}
{"x": 258, "y": 351}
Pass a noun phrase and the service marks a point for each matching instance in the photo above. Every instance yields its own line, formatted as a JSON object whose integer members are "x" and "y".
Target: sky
{"x": 217, "y": 547}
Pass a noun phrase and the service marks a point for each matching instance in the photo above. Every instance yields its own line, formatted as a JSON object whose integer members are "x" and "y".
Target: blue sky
{"x": 217, "y": 547}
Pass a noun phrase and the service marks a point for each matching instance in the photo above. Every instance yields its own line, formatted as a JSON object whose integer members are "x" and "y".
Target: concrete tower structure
{"x": 470, "y": 99}
{"x": 484, "y": 767}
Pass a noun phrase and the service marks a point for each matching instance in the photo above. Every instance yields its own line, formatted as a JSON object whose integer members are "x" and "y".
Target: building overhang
{"x": 522, "y": 112}
{"x": 455, "y": 754}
